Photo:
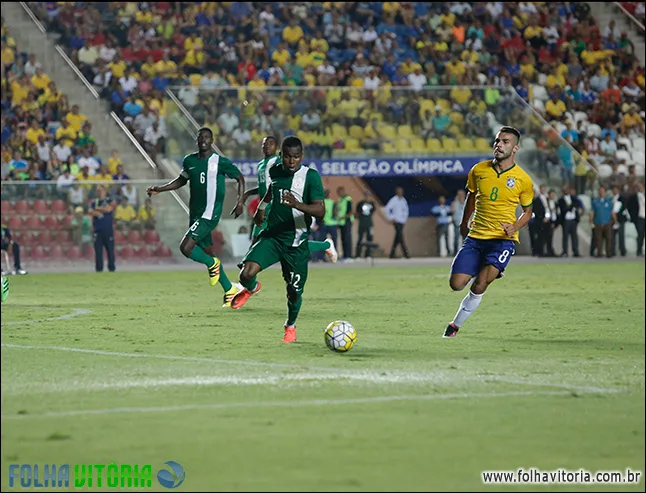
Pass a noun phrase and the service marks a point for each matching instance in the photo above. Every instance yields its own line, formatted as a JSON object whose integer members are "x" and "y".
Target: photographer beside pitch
{"x": 495, "y": 188}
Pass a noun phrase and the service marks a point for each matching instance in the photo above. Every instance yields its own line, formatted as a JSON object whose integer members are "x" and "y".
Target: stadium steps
{"x": 605, "y": 12}
{"x": 107, "y": 132}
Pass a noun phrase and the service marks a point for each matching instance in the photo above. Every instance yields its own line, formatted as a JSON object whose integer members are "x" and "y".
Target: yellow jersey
{"x": 497, "y": 198}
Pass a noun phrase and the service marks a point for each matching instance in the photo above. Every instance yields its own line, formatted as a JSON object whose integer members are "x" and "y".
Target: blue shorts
{"x": 476, "y": 254}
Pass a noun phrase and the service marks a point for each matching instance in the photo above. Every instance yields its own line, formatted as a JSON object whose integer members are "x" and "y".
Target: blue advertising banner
{"x": 374, "y": 168}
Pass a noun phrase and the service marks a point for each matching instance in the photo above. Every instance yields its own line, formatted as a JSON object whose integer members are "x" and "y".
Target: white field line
{"x": 313, "y": 402}
{"x": 77, "y": 312}
{"x": 377, "y": 376}
{"x": 224, "y": 380}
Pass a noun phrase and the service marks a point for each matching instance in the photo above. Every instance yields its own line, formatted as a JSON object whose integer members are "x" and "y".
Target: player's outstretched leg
{"x": 250, "y": 284}
{"x": 230, "y": 289}
{"x": 190, "y": 249}
{"x": 326, "y": 246}
{"x": 472, "y": 300}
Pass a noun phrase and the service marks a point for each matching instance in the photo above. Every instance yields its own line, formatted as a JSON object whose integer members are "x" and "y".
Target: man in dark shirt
{"x": 101, "y": 210}
{"x": 9, "y": 243}
{"x": 365, "y": 210}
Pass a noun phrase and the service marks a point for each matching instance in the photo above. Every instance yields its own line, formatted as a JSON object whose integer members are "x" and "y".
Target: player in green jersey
{"x": 296, "y": 196}
{"x": 206, "y": 170}
{"x": 269, "y": 145}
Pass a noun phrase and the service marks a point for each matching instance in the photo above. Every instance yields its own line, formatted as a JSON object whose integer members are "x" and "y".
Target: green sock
{"x": 224, "y": 280}
{"x": 318, "y": 246}
{"x": 292, "y": 310}
{"x": 201, "y": 256}
{"x": 251, "y": 285}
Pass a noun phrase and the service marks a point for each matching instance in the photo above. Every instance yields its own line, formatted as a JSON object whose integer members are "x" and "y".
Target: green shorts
{"x": 200, "y": 230}
{"x": 293, "y": 260}
{"x": 255, "y": 232}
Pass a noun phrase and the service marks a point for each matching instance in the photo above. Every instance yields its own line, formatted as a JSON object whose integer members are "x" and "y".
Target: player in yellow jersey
{"x": 495, "y": 188}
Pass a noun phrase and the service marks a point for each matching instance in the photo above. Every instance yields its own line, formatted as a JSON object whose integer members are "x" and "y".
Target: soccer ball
{"x": 340, "y": 336}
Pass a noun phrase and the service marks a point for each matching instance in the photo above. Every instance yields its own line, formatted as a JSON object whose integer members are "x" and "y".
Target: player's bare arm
{"x": 249, "y": 193}
{"x": 259, "y": 216}
{"x": 177, "y": 183}
{"x": 520, "y": 223}
{"x": 469, "y": 208}
{"x": 239, "y": 207}
{"x": 316, "y": 208}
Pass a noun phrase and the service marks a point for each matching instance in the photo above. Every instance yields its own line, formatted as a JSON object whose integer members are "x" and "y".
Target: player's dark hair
{"x": 291, "y": 141}
{"x": 511, "y": 130}
{"x": 205, "y": 129}
{"x": 271, "y": 137}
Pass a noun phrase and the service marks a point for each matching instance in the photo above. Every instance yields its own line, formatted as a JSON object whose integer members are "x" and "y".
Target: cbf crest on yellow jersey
{"x": 497, "y": 198}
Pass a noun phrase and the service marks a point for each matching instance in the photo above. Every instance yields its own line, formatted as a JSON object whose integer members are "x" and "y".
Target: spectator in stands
{"x": 81, "y": 228}
{"x": 124, "y": 215}
{"x": 8, "y": 244}
{"x": 64, "y": 182}
{"x": 146, "y": 215}
{"x": 76, "y": 195}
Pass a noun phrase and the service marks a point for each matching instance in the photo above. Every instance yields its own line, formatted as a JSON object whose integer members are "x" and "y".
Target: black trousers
{"x": 346, "y": 239}
{"x": 365, "y": 229}
{"x": 15, "y": 250}
{"x": 569, "y": 231}
{"x": 399, "y": 240}
{"x": 104, "y": 240}
{"x": 639, "y": 225}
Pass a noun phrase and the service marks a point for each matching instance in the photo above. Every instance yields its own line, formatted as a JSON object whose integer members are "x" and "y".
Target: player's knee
{"x": 457, "y": 284}
{"x": 186, "y": 250}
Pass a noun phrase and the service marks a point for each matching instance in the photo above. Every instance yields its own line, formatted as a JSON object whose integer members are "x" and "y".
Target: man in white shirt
{"x": 242, "y": 137}
{"x": 88, "y": 161}
{"x": 397, "y": 211}
{"x": 417, "y": 80}
{"x": 64, "y": 181}
{"x": 228, "y": 121}
{"x": 62, "y": 151}
{"x": 31, "y": 65}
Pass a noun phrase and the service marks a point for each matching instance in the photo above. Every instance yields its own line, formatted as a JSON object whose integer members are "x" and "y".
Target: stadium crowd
{"x": 223, "y": 60}
{"x": 401, "y": 79}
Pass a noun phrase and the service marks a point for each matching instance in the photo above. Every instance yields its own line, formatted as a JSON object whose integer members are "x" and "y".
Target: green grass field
{"x": 548, "y": 373}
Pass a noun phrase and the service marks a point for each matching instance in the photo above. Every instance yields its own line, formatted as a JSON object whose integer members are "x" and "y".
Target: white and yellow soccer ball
{"x": 340, "y": 336}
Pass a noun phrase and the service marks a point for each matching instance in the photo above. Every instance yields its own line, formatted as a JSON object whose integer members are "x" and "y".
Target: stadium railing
{"x": 399, "y": 112}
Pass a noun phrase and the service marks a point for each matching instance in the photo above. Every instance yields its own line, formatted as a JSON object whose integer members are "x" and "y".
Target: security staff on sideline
{"x": 101, "y": 210}
{"x": 345, "y": 218}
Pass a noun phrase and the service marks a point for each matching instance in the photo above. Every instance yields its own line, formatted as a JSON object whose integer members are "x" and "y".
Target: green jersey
{"x": 263, "y": 174}
{"x": 287, "y": 225}
{"x": 207, "y": 183}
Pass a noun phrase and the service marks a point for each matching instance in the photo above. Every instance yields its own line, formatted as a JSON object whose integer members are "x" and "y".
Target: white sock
{"x": 467, "y": 307}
